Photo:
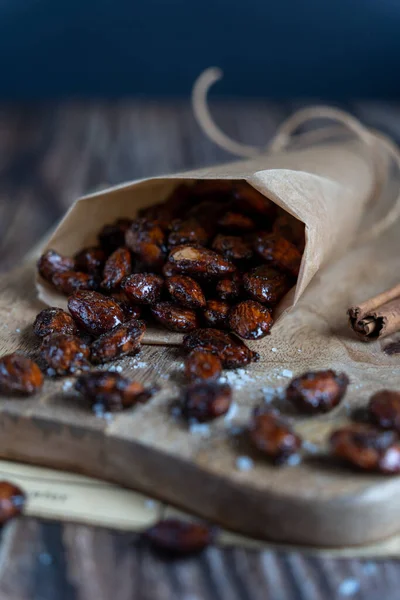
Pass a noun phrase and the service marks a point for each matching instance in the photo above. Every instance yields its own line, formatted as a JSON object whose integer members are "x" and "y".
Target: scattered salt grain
{"x": 140, "y": 365}
{"x": 67, "y": 385}
{"x": 200, "y": 428}
{"x": 237, "y": 379}
{"x": 299, "y": 350}
{"x": 274, "y": 349}
{"x": 116, "y": 368}
{"x": 349, "y": 587}
{"x": 310, "y": 447}
{"x": 18, "y": 330}
{"x": 150, "y": 503}
{"x": 244, "y": 463}
{"x": 287, "y": 373}
{"x": 293, "y": 460}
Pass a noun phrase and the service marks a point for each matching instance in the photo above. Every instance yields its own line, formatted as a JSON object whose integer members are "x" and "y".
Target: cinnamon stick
{"x": 377, "y": 317}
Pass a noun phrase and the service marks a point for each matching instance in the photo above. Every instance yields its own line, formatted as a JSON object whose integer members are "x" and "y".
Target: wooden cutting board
{"x": 315, "y": 502}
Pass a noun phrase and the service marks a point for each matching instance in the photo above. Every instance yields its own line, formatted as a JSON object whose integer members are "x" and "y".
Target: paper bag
{"x": 327, "y": 187}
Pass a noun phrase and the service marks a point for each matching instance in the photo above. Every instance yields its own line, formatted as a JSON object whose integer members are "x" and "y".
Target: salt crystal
{"x": 287, "y": 373}
{"x": 274, "y": 349}
{"x": 201, "y": 428}
{"x": 18, "y": 330}
{"x": 140, "y": 365}
{"x": 349, "y": 587}
{"x": 299, "y": 350}
{"x": 244, "y": 463}
{"x": 293, "y": 460}
{"x": 150, "y": 503}
{"x": 67, "y": 385}
{"x": 310, "y": 447}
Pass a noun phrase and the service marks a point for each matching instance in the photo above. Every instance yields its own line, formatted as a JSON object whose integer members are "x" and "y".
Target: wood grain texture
{"x": 49, "y": 156}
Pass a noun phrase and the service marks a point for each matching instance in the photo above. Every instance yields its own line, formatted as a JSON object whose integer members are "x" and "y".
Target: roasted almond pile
{"x": 214, "y": 254}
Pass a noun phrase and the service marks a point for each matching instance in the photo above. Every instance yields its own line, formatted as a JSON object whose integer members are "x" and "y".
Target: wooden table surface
{"x": 49, "y": 155}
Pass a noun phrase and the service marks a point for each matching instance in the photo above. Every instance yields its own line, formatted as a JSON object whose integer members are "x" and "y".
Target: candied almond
{"x": 69, "y": 282}
{"x": 201, "y": 365}
{"x": 112, "y": 391}
{"x": 216, "y": 314}
{"x": 367, "y": 448}
{"x": 248, "y": 199}
{"x": 278, "y": 252}
{"x": 12, "y": 501}
{"x": 175, "y": 318}
{"x": 290, "y": 228}
{"x": 232, "y": 221}
{"x": 123, "y": 339}
{"x": 187, "y": 231}
{"x": 19, "y": 375}
{"x": 131, "y": 311}
{"x": 228, "y": 289}
{"x": 64, "y": 354}
{"x": 205, "y": 401}
{"x": 251, "y": 320}
{"x": 266, "y": 285}
{"x": 143, "y": 288}
{"x": 185, "y": 291}
{"x": 179, "y": 537}
{"x": 193, "y": 260}
{"x": 384, "y": 409}
{"x": 54, "y": 320}
{"x": 317, "y": 392}
{"x": 232, "y": 352}
{"x": 273, "y": 436}
{"x": 90, "y": 260}
{"x": 95, "y": 313}
{"x": 51, "y": 262}
{"x": 118, "y": 266}
{"x": 232, "y": 247}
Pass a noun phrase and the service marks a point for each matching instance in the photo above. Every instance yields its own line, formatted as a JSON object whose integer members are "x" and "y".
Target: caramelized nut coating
{"x": 273, "y": 436}
{"x": 232, "y": 247}
{"x": 95, "y": 313}
{"x": 90, "y": 260}
{"x": 317, "y": 392}
{"x": 232, "y": 221}
{"x": 146, "y": 239}
{"x": 367, "y": 448}
{"x": 228, "y": 289}
{"x": 232, "y": 352}
{"x": 12, "y": 501}
{"x": 384, "y": 409}
{"x": 266, "y": 285}
{"x": 64, "y": 354}
{"x": 51, "y": 262}
{"x": 19, "y": 375}
{"x": 251, "y": 320}
{"x": 117, "y": 267}
{"x": 123, "y": 339}
{"x": 54, "y": 320}
{"x": 185, "y": 291}
{"x": 131, "y": 311}
{"x": 179, "y": 537}
{"x": 278, "y": 252}
{"x": 196, "y": 260}
{"x": 249, "y": 200}
{"x": 206, "y": 401}
{"x": 69, "y": 282}
{"x": 143, "y": 288}
{"x": 112, "y": 391}
{"x": 187, "y": 232}
{"x": 175, "y": 318}
{"x": 112, "y": 236}
{"x": 201, "y": 365}
{"x": 216, "y": 314}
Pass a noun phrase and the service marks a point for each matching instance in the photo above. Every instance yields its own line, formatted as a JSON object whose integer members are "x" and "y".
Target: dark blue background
{"x": 285, "y": 48}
